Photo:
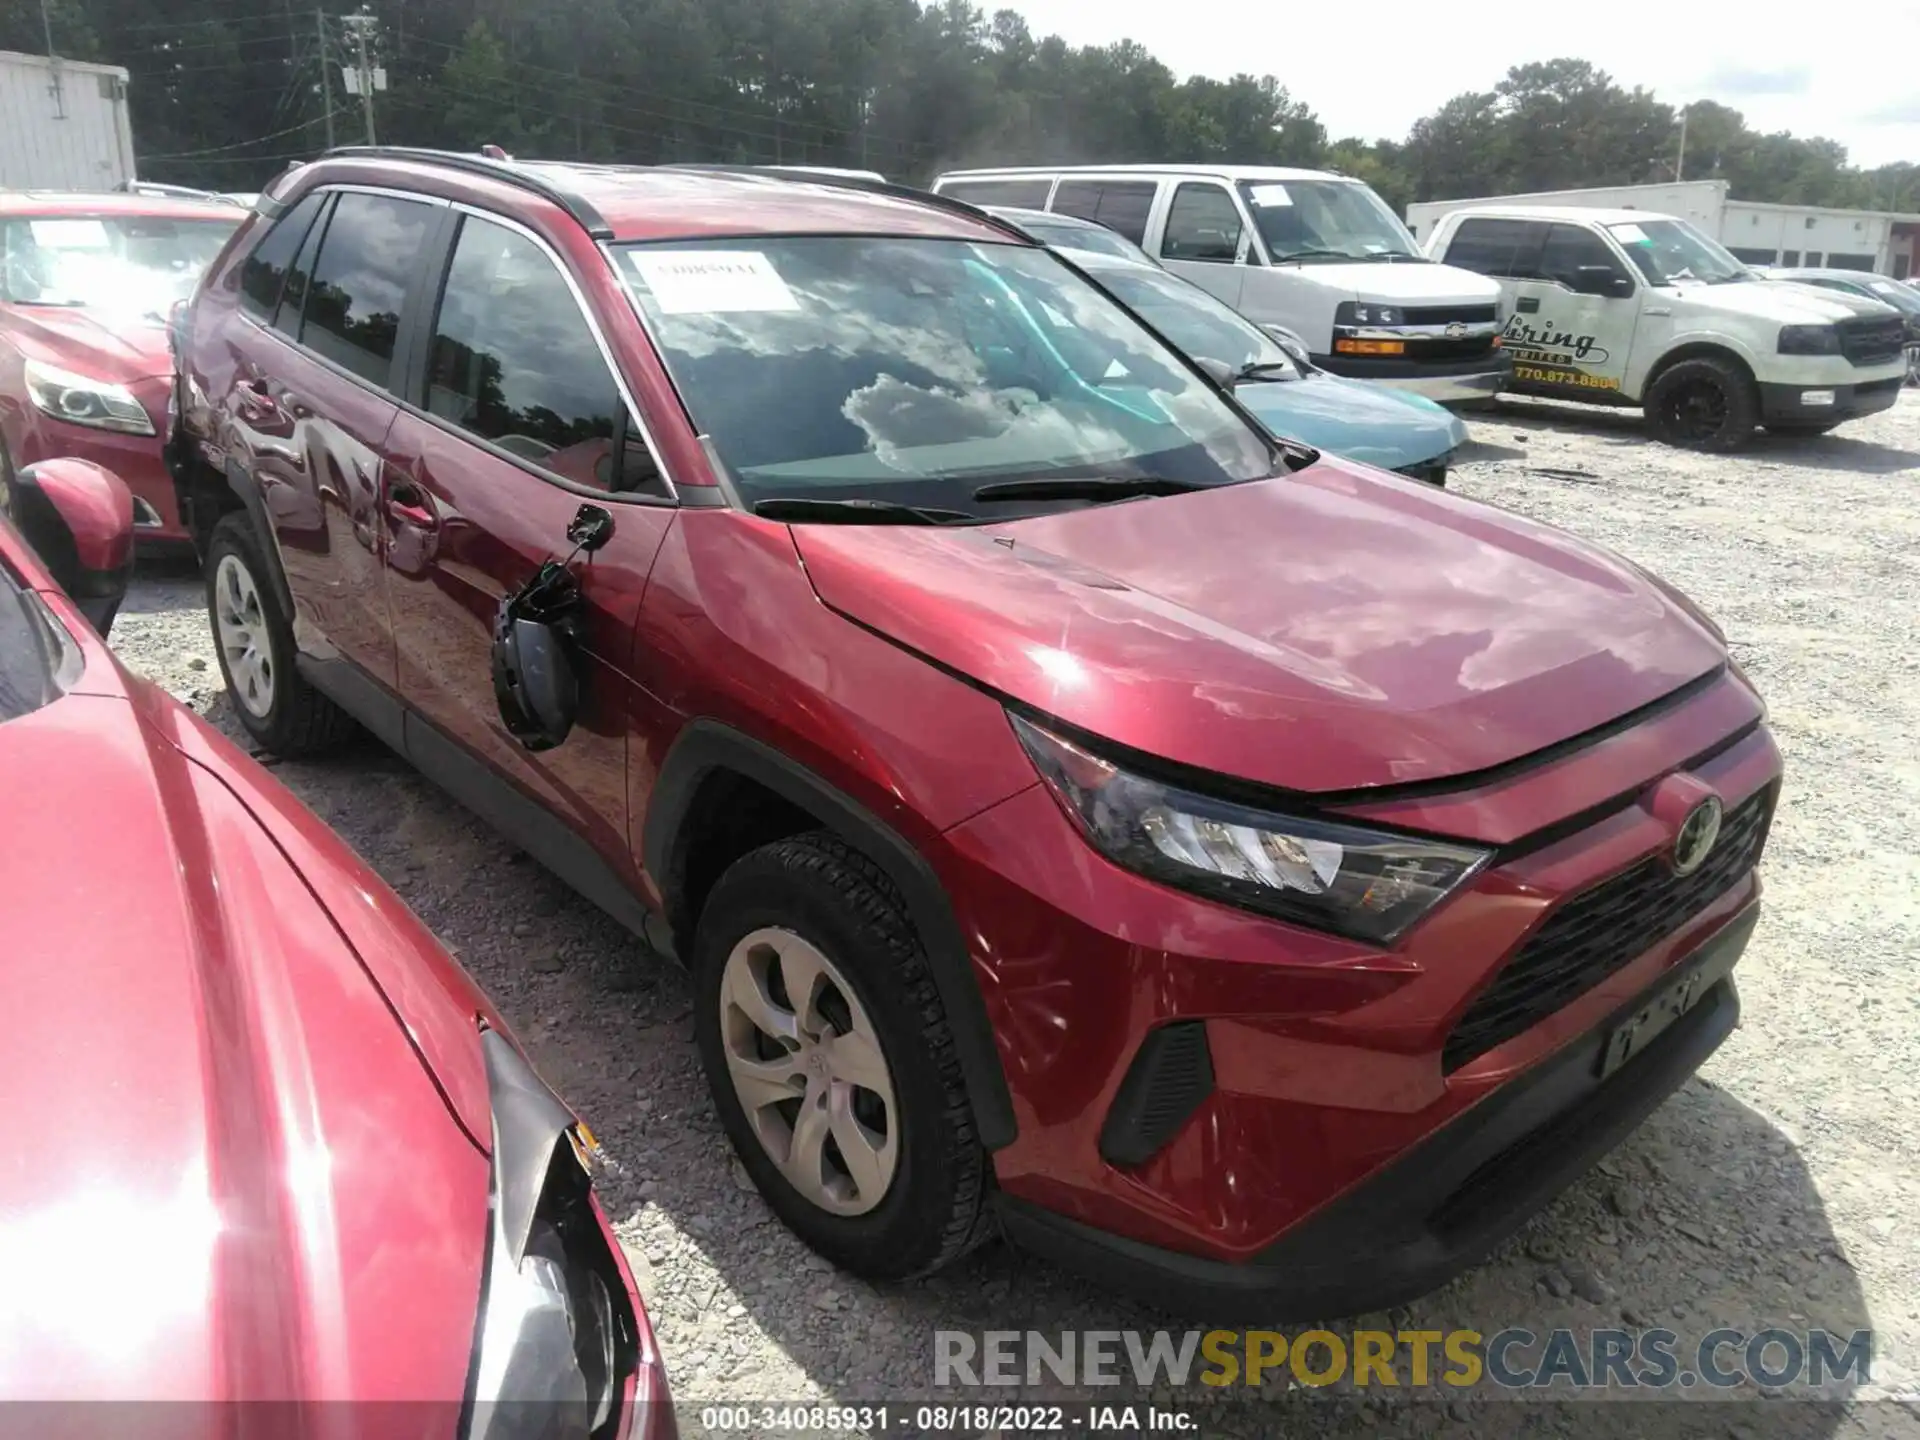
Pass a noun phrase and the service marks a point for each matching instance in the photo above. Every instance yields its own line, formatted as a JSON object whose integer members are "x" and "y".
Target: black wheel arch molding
{"x": 706, "y": 747}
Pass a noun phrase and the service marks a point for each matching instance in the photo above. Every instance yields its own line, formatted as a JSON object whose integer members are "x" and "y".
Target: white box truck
{"x": 63, "y": 124}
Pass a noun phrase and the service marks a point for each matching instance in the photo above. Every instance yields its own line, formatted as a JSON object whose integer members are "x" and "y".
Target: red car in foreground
{"x": 1260, "y": 879}
{"x": 266, "y": 1141}
{"x": 86, "y": 282}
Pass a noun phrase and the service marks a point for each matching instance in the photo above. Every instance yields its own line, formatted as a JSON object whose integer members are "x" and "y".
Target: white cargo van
{"x": 1626, "y": 307}
{"x": 1317, "y": 253}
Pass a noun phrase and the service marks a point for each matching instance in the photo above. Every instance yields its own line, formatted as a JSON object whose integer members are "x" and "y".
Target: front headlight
{"x": 1365, "y": 312}
{"x": 82, "y": 401}
{"x": 558, "y": 1338}
{"x": 1809, "y": 340}
{"x": 1363, "y": 883}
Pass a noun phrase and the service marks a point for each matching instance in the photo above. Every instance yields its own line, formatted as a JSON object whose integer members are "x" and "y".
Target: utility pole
{"x": 326, "y": 72}
{"x": 365, "y": 73}
{"x": 1680, "y": 162}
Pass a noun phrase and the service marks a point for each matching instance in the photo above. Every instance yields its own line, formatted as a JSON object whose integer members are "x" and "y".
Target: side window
{"x": 359, "y": 286}
{"x": 1789, "y": 258}
{"x": 1202, "y": 224}
{"x": 1491, "y": 247}
{"x": 1125, "y": 205}
{"x": 263, "y": 274}
{"x": 1567, "y": 249}
{"x": 1030, "y": 194}
{"x": 1077, "y": 197}
{"x": 293, "y": 299}
{"x": 514, "y": 362}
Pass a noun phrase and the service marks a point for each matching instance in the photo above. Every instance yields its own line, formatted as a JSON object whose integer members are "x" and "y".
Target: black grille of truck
{"x": 1601, "y": 930}
{"x": 1865, "y": 340}
{"x": 1449, "y": 315}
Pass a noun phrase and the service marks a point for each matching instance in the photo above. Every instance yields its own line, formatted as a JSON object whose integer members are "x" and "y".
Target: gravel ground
{"x": 1776, "y": 1189}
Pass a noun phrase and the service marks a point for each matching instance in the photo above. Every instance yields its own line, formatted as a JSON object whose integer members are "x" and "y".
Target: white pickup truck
{"x": 1624, "y": 307}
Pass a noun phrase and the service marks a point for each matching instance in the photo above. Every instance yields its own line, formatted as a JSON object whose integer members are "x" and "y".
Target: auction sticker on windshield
{"x": 1267, "y": 195}
{"x": 1629, "y": 234}
{"x": 70, "y": 234}
{"x": 712, "y": 282}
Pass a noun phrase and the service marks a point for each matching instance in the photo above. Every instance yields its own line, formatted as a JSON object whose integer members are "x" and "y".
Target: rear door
{"x": 312, "y": 401}
{"x": 507, "y": 433}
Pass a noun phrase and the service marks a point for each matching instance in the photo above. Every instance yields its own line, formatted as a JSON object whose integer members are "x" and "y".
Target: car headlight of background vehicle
{"x": 80, "y": 400}
{"x": 1352, "y": 880}
{"x": 1809, "y": 340}
{"x": 557, "y": 1337}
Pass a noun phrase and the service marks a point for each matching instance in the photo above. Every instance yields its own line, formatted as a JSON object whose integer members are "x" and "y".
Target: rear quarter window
{"x": 263, "y": 274}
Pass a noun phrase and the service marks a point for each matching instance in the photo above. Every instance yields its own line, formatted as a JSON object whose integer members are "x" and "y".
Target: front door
{"x": 1206, "y": 240}
{"x": 519, "y": 403}
{"x": 1574, "y": 303}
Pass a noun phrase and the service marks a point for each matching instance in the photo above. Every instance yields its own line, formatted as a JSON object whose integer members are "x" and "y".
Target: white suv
{"x": 1316, "y": 253}
{"x": 1624, "y": 307}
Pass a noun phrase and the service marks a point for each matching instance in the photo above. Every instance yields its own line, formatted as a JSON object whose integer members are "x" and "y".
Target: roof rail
{"x": 506, "y": 171}
{"x": 801, "y": 176}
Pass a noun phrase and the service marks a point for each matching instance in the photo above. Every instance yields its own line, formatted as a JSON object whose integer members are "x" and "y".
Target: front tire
{"x": 254, "y": 639}
{"x": 1703, "y": 404}
{"x": 831, "y": 1061}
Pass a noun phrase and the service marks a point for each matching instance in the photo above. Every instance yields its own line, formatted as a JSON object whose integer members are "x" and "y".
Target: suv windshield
{"x": 37, "y": 660}
{"x": 1326, "y": 221}
{"x": 912, "y": 370}
{"x": 137, "y": 264}
{"x": 1199, "y": 324}
{"x": 1670, "y": 250}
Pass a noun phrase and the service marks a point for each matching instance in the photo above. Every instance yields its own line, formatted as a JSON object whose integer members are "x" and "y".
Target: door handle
{"x": 256, "y": 396}
{"x": 408, "y": 504}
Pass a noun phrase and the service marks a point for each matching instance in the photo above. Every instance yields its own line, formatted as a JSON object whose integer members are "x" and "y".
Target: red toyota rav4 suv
{"x": 1251, "y": 877}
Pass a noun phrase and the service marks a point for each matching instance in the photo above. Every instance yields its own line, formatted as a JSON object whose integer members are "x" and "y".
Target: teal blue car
{"x": 1274, "y": 379}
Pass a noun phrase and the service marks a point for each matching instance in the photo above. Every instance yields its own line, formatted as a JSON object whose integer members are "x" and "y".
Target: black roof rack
{"x": 872, "y": 187}
{"x": 590, "y": 219}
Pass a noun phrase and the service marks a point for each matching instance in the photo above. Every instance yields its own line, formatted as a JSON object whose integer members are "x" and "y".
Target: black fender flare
{"x": 246, "y": 490}
{"x": 706, "y": 746}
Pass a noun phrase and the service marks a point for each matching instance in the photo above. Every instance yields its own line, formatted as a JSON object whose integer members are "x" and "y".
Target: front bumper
{"x": 136, "y": 459}
{"x": 1779, "y": 403}
{"x": 1450, "y": 1200}
{"x": 1450, "y": 382}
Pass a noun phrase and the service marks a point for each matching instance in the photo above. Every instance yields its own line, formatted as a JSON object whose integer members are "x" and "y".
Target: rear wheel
{"x": 1703, "y": 404}
{"x": 831, "y": 1061}
{"x": 254, "y": 638}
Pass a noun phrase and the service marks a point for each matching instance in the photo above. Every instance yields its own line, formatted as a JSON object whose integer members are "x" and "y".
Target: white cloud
{"x": 1372, "y": 69}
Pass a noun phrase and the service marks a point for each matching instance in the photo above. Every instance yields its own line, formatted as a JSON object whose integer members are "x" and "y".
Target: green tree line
{"x": 224, "y": 95}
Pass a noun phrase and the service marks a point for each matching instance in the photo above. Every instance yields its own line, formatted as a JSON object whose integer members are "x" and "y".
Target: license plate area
{"x": 1683, "y": 988}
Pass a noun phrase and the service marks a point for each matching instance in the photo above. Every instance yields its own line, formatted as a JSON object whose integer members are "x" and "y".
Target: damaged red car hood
{"x": 1331, "y": 630}
{"x": 229, "y": 1173}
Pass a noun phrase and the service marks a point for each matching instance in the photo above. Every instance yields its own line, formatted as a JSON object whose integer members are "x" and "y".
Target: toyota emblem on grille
{"x": 1456, "y": 330}
{"x": 1697, "y": 835}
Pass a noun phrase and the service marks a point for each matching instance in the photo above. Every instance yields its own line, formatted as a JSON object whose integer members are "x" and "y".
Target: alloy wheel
{"x": 242, "y": 626}
{"x": 1697, "y": 411}
{"x": 808, "y": 1069}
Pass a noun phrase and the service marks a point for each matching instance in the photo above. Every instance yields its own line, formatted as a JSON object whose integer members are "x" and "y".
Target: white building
{"x": 1879, "y": 240}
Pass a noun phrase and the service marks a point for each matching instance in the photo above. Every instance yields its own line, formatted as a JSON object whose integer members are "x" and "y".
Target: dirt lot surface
{"x": 1781, "y": 1188}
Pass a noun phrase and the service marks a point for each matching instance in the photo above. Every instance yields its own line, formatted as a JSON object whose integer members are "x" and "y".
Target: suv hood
{"x": 103, "y": 344}
{"x": 232, "y": 1177}
{"x": 1332, "y": 630}
{"x": 1779, "y": 300}
{"x": 1406, "y": 282}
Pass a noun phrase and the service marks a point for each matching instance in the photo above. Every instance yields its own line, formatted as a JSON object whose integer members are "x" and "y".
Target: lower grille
{"x": 1867, "y": 341}
{"x": 1169, "y": 1079}
{"x": 1603, "y": 929}
{"x": 1468, "y": 349}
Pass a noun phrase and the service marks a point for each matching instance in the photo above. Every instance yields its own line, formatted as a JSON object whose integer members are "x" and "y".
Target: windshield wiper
{"x": 1316, "y": 255}
{"x": 1085, "y": 487}
{"x": 805, "y": 508}
{"x": 1392, "y": 255}
{"x": 1264, "y": 370}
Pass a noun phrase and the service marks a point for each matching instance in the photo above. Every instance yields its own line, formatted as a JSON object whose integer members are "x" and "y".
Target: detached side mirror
{"x": 78, "y": 517}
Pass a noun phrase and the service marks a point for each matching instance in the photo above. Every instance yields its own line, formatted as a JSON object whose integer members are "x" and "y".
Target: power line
{"x": 237, "y": 145}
